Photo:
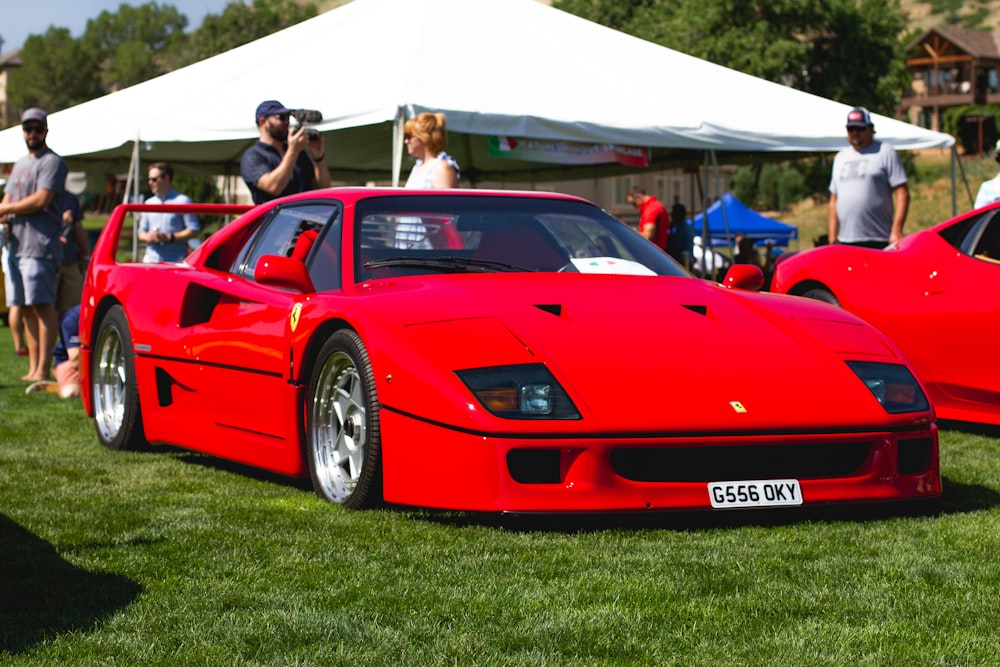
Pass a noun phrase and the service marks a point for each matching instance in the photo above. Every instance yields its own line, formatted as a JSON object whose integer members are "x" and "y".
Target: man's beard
{"x": 280, "y": 133}
{"x": 35, "y": 142}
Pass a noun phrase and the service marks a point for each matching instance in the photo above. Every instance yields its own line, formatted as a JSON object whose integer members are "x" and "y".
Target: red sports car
{"x": 494, "y": 351}
{"x": 931, "y": 295}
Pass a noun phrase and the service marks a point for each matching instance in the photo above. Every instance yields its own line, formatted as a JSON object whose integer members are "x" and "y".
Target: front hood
{"x": 652, "y": 354}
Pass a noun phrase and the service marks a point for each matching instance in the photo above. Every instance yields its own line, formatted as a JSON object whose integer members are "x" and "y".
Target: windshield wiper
{"x": 449, "y": 264}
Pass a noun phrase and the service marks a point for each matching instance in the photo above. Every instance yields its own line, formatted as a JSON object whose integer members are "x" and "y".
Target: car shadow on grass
{"x": 956, "y": 498}
{"x": 215, "y": 463}
{"x": 970, "y": 427}
{"x": 42, "y": 595}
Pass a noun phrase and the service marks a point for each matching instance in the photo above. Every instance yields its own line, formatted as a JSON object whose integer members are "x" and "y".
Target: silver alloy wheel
{"x": 338, "y": 428}
{"x": 109, "y": 384}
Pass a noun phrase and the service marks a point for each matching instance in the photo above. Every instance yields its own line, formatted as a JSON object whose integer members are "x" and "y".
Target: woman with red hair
{"x": 426, "y": 139}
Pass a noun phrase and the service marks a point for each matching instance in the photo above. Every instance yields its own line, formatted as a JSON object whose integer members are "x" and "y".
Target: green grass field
{"x": 173, "y": 558}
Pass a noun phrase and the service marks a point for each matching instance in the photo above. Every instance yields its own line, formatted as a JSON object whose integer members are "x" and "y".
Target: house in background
{"x": 951, "y": 67}
{"x": 8, "y": 61}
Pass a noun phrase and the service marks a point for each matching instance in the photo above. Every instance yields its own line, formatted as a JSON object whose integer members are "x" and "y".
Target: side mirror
{"x": 284, "y": 272}
{"x": 744, "y": 276}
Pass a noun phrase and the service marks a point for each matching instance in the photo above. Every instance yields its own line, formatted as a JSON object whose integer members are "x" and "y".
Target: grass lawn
{"x": 176, "y": 558}
{"x": 110, "y": 558}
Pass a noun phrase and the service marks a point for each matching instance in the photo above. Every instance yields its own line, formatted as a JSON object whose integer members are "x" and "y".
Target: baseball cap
{"x": 269, "y": 108}
{"x": 34, "y": 113}
{"x": 859, "y": 117}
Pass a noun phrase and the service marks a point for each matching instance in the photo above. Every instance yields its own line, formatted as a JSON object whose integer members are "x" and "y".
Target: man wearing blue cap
{"x": 869, "y": 197}
{"x": 280, "y": 163}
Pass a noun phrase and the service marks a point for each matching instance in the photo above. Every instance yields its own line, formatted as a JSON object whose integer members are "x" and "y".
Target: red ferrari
{"x": 494, "y": 351}
{"x": 930, "y": 294}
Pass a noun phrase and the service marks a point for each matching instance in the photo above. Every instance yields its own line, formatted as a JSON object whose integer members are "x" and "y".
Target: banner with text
{"x": 566, "y": 152}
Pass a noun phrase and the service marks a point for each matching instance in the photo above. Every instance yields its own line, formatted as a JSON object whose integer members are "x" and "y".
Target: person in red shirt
{"x": 654, "y": 223}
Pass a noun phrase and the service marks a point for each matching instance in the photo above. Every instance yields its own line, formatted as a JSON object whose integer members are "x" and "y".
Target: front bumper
{"x": 432, "y": 466}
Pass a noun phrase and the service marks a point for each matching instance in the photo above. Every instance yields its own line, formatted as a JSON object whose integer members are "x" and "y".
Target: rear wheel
{"x": 342, "y": 437}
{"x": 821, "y": 294}
{"x": 113, "y": 386}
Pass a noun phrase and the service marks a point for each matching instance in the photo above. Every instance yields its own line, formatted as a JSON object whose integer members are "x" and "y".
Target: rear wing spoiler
{"x": 106, "y": 249}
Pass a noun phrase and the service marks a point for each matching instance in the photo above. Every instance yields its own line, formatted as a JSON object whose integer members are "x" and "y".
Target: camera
{"x": 303, "y": 116}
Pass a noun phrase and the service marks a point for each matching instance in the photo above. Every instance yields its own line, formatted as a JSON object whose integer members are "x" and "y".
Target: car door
{"x": 240, "y": 347}
{"x": 965, "y": 316}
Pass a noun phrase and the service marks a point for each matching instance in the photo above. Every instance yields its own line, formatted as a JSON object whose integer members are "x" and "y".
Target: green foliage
{"x": 617, "y": 14}
{"x": 133, "y": 44}
{"x": 57, "y": 71}
{"x": 239, "y": 24}
{"x": 743, "y": 184}
{"x": 774, "y": 186}
{"x": 959, "y": 121}
{"x": 847, "y": 50}
{"x": 131, "y": 40}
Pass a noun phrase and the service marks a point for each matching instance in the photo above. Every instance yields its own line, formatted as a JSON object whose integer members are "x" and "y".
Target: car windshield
{"x": 417, "y": 235}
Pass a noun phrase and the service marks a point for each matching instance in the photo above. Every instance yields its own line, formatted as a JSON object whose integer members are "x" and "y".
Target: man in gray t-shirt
{"x": 32, "y": 206}
{"x": 869, "y": 197}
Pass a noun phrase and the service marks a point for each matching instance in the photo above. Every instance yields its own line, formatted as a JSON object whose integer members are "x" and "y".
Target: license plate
{"x": 755, "y": 493}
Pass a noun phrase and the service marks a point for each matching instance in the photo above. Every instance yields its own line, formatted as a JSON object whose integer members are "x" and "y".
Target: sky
{"x": 35, "y": 17}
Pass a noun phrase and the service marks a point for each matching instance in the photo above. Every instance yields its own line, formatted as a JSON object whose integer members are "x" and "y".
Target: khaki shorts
{"x": 69, "y": 287}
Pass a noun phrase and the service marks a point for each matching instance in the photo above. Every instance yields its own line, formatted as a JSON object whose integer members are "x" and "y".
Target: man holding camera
{"x": 283, "y": 163}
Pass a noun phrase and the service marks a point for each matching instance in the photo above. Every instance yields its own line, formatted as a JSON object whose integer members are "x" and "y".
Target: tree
{"x": 56, "y": 72}
{"x": 132, "y": 43}
{"x": 845, "y": 50}
{"x": 239, "y": 24}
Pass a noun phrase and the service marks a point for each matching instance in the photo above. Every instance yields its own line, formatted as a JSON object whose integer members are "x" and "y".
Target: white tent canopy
{"x": 515, "y": 68}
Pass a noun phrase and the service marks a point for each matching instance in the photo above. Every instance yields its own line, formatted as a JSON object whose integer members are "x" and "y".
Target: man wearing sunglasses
{"x": 32, "y": 207}
{"x": 282, "y": 163}
{"x": 869, "y": 197}
{"x": 166, "y": 235}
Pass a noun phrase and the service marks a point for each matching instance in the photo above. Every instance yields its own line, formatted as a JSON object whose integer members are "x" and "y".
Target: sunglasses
{"x": 36, "y": 129}
{"x": 280, "y": 116}
{"x": 154, "y": 179}
{"x": 854, "y": 128}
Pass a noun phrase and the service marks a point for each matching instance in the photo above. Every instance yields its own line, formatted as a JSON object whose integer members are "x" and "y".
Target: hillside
{"x": 978, "y": 14}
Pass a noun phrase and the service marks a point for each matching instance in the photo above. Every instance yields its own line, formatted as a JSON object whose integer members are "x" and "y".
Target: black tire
{"x": 821, "y": 294}
{"x": 113, "y": 387}
{"x": 343, "y": 439}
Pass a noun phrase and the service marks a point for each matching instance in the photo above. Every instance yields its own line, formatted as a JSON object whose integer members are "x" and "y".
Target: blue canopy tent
{"x": 736, "y": 217}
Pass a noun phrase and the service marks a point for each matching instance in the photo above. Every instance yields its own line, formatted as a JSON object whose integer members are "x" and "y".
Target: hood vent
{"x": 701, "y": 310}
{"x": 553, "y": 308}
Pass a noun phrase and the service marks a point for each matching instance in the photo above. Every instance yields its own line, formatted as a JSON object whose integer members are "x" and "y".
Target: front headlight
{"x": 526, "y": 391}
{"x": 893, "y": 385}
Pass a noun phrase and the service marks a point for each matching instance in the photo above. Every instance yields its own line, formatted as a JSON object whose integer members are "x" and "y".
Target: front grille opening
{"x": 705, "y": 464}
{"x": 916, "y": 455}
{"x": 534, "y": 466}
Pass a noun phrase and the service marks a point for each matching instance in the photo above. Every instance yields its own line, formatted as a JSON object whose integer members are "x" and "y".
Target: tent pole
{"x": 706, "y": 234}
{"x": 722, "y": 204}
{"x": 132, "y": 181}
{"x": 954, "y": 196}
{"x": 965, "y": 182}
{"x": 398, "y": 134}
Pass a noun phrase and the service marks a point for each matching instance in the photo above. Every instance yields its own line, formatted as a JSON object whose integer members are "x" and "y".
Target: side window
{"x": 988, "y": 244}
{"x": 290, "y": 231}
{"x": 324, "y": 260}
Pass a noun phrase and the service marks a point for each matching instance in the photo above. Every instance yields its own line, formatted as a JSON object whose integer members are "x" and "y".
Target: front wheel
{"x": 821, "y": 294}
{"x": 113, "y": 386}
{"x": 343, "y": 440}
